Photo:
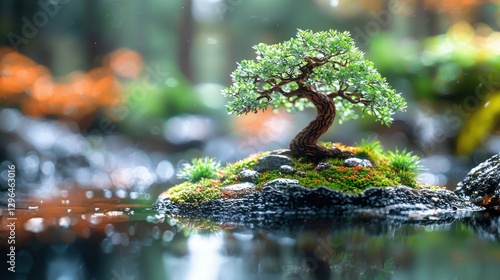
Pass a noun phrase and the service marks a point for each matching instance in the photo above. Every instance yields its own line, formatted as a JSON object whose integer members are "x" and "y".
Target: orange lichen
{"x": 486, "y": 200}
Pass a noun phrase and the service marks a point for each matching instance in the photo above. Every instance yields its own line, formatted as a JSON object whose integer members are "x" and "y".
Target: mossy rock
{"x": 381, "y": 185}
{"x": 332, "y": 173}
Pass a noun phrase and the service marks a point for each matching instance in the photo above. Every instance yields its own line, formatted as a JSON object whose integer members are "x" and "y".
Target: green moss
{"x": 188, "y": 192}
{"x": 338, "y": 177}
{"x": 229, "y": 173}
{"x": 389, "y": 169}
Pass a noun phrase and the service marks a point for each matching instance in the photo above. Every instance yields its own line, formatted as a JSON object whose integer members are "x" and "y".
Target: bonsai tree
{"x": 323, "y": 70}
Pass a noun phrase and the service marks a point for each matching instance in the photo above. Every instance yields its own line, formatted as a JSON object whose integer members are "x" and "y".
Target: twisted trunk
{"x": 305, "y": 143}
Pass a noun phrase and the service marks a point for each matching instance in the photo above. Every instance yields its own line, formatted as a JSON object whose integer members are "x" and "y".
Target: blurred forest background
{"x": 118, "y": 94}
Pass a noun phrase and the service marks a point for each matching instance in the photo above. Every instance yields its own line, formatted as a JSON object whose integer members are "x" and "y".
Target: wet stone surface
{"x": 282, "y": 200}
{"x": 237, "y": 190}
{"x": 247, "y": 175}
{"x": 323, "y": 166}
{"x": 272, "y": 162}
{"x": 482, "y": 184}
{"x": 286, "y": 199}
{"x": 287, "y": 169}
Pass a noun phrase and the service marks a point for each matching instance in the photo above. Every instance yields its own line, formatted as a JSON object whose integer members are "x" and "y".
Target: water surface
{"x": 97, "y": 236}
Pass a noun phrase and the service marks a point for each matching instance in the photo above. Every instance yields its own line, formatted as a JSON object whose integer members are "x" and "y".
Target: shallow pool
{"x": 100, "y": 237}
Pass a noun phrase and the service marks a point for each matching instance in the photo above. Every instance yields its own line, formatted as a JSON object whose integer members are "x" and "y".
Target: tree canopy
{"x": 326, "y": 62}
{"x": 323, "y": 70}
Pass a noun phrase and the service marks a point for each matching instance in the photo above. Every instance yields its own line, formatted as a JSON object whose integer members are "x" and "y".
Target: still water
{"x": 97, "y": 236}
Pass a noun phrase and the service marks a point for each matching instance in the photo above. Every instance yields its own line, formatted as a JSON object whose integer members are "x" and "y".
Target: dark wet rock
{"x": 482, "y": 184}
{"x": 283, "y": 200}
{"x": 247, "y": 175}
{"x": 272, "y": 162}
{"x": 353, "y": 162}
{"x": 287, "y": 169}
{"x": 286, "y": 198}
{"x": 323, "y": 165}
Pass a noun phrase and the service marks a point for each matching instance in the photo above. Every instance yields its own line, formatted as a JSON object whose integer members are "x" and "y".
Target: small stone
{"x": 237, "y": 190}
{"x": 272, "y": 162}
{"x": 287, "y": 169}
{"x": 281, "y": 183}
{"x": 301, "y": 173}
{"x": 247, "y": 175}
{"x": 353, "y": 162}
{"x": 323, "y": 165}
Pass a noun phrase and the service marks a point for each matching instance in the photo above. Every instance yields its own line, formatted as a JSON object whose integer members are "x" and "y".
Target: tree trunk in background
{"x": 92, "y": 33}
{"x": 430, "y": 21}
{"x": 186, "y": 34}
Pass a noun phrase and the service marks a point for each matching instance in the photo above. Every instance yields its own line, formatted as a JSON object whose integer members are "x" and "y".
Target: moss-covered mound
{"x": 370, "y": 166}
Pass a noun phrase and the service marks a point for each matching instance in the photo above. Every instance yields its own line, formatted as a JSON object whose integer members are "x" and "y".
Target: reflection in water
{"x": 82, "y": 235}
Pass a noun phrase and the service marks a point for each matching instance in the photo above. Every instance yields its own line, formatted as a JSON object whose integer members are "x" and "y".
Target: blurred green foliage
{"x": 457, "y": 72}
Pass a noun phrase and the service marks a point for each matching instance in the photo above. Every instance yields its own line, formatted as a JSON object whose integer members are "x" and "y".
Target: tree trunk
{"x": 305, "y": 143}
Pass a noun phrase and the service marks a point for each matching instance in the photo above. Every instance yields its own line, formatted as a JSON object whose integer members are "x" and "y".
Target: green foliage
{"x": 199, "y": 168}
{"x": 323, "y": 62}
{"x": 371, "y": 150}
{"x": 405, "y": 164}
{"x": 371, "y": 145}
{"x": 403, "y": 161}
{"x": 479, "y": 125}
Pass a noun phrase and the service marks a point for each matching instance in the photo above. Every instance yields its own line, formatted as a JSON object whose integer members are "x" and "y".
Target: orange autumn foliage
{"x": 17, "y": 72}
{"x": 126, "y": 63}
{"x": 33, "y": 88}
{"x": 451, "y": 5}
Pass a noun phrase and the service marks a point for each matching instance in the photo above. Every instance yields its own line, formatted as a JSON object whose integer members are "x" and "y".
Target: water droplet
{"x": 35, "y": 225}
{"x": 156, "y": 233}
{"x": 64, "y": 222}
{"x": 167, "y": 236}
{"x": 106, "y": 246}
{"x": 131, "y": 230}
{"x": 107, "y": 193}
{"x": 96, "y": 218}
{"x": 134, "y": 195}
{"x": 89, "y": 194}
{"x": 63, "y": 193}
{"x": 116, "y": 238}
{"x": 109, "y": 229}
{"x": 121, "y": 193}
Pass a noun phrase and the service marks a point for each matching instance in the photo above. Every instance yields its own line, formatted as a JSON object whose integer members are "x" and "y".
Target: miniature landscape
{"x": 326, "y": 71}
{"x": 224, "y": 139}
{"x": 264, "y": 189}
